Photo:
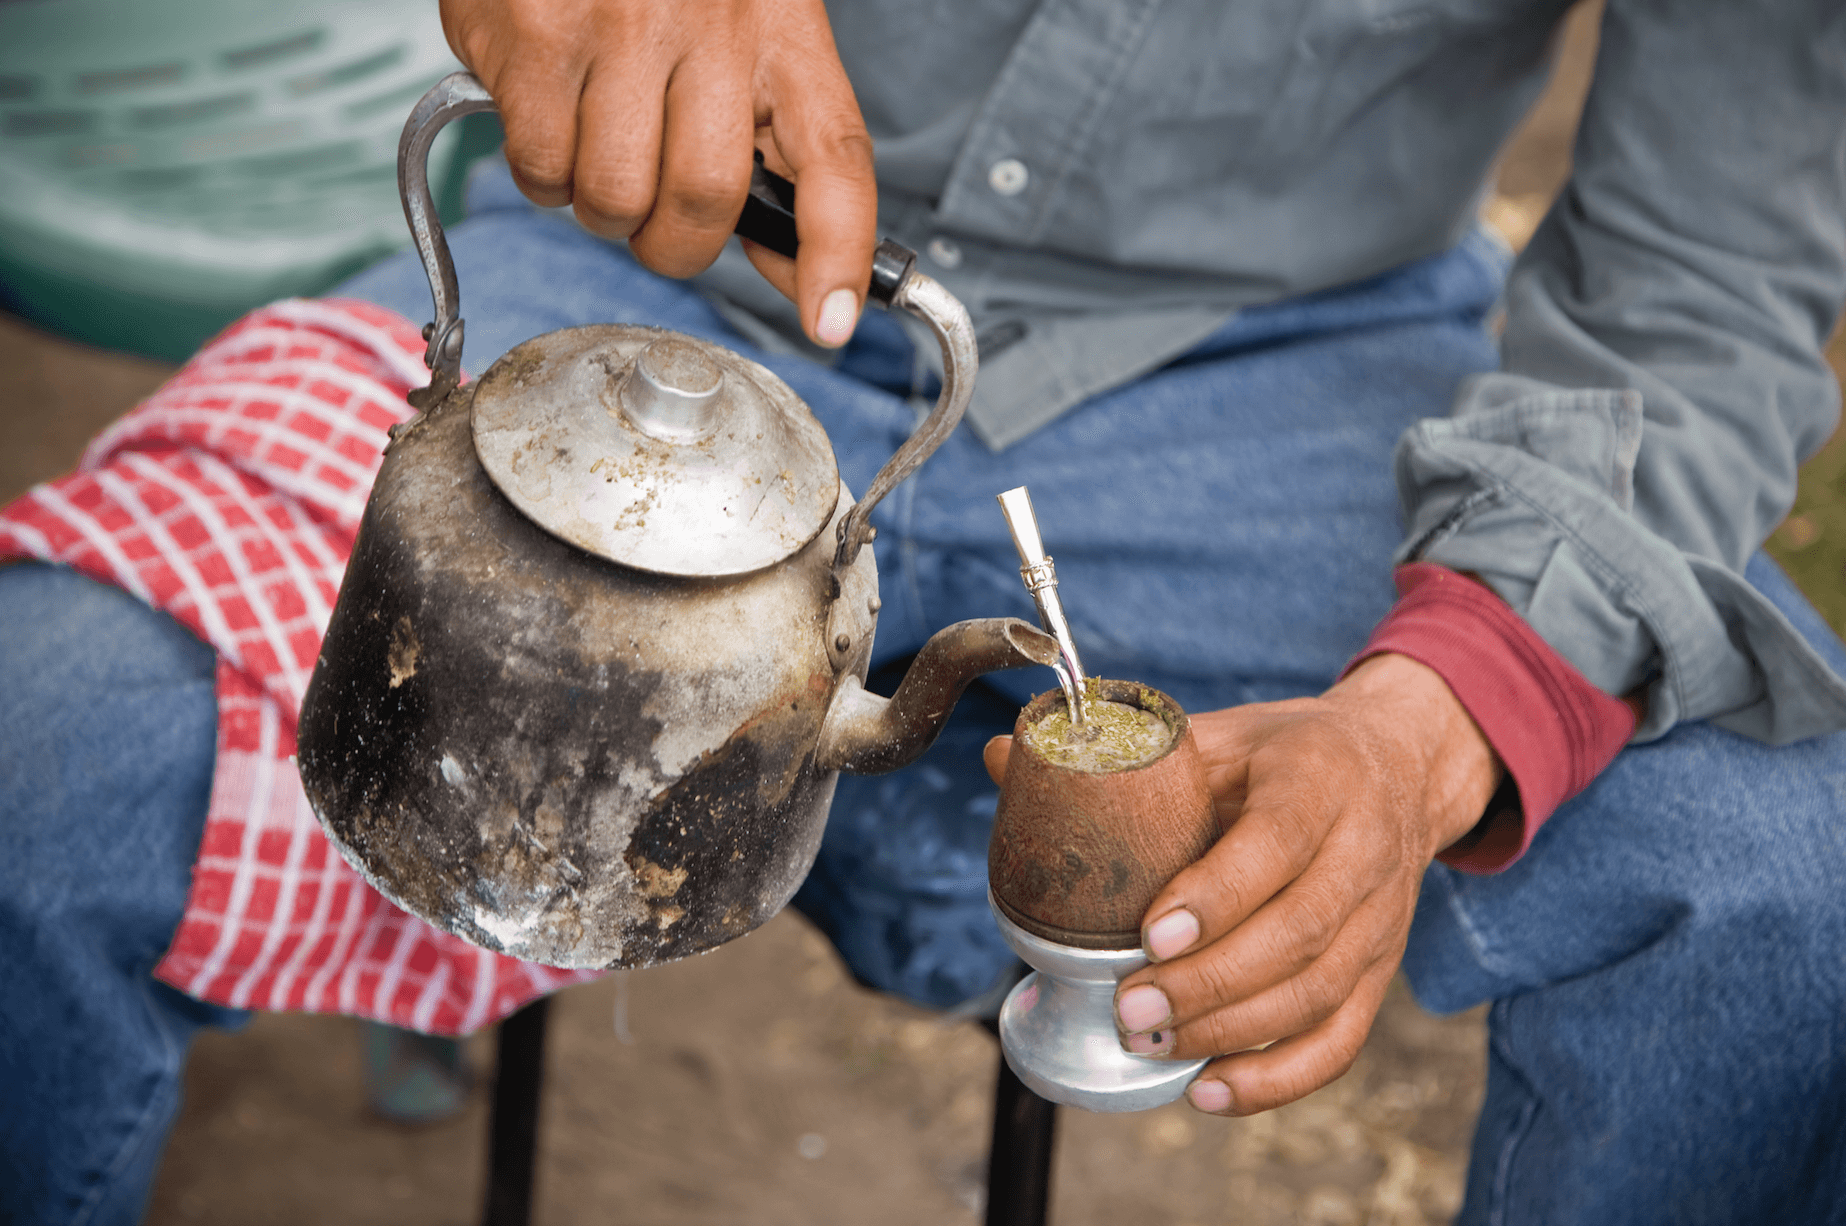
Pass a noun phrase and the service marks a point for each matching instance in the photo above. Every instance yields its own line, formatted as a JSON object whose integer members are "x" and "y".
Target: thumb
{"x": 995, "y": 755}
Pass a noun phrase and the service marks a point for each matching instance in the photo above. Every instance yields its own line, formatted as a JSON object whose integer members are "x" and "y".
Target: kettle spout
{"x": 868, "y": 735}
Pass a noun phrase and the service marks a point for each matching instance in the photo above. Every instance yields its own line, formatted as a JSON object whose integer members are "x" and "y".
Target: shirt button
{"x": 1008, "y": 176}
{"x": 944, "y": 252}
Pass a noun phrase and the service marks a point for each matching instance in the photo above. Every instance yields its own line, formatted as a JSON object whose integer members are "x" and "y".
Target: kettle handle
{"x": 458, "y": 94}
{"x": 923, "y": 296}
{"x": 768, "y": 218}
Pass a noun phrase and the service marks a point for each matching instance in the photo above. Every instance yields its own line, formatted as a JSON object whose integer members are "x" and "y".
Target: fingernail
{"x": 1172, "y": 934}
{"x": 839, "y": 311}
{"x": 1153, "y": 1043}
{"x": 1212, "y": 1096}
{"x": 1142, "y": 1007}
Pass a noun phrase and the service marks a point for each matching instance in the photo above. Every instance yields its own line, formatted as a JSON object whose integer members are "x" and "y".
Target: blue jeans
{"x": 1668, "y": 1016}
{"x": 108, "y": 726}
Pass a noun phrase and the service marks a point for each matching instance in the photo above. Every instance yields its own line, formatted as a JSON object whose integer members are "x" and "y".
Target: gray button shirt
{"x": 1105, "y": 182}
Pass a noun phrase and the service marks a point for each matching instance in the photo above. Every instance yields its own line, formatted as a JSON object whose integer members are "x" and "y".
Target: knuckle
{"x": 1307, "y": 927}
{"x": 1340, "y": 1060}
{"x": 1233, "y": 898}
{"x": 613, "y": 201}
{"x": 542, "y": 165}
{"x": 1298, "y": 809}
{"x": 537, "y": 26}
{"x": 1211, "y": 888}
{"x": 1213, "y": 1035}
{"x": 847, "y": 142}
{"x": 474, "y": 34}
{"x": 473, "y": 44}
{"x": 672, "y": 256}
{"x": 836, "y": 141}
{"x": 1212, "y": 986}
{"x": 541, "y": 137}
{"x": 1290, "y": 827}
{"x": 1318, "y": 995}
{"x": 706, "y": 197}
{"x": 1389, "y": 859}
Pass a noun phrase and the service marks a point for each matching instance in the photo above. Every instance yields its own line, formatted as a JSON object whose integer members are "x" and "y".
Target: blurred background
{"x": 166, "y": 167}
{"x": 155, "y": 182}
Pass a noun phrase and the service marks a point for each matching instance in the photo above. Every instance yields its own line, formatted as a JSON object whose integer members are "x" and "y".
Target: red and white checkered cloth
{"x": 230, "y": 499}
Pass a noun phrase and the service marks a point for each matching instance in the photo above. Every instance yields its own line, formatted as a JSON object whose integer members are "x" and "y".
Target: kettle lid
{"x": 655, "y": 449}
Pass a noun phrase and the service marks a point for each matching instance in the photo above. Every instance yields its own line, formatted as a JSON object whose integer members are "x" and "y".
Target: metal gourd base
{"x": 1018, "y": 1162}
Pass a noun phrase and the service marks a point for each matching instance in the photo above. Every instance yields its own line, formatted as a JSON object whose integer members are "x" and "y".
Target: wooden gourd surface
{"x": 1077, "y": 855}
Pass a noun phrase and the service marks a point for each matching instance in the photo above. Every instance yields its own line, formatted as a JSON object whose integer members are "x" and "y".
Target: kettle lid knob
{"x": 671, "y": 392}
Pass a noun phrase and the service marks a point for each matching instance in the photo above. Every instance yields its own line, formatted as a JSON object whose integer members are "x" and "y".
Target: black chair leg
{"x": 512, "y": 1130}
{"x": 1019, "y": 1161}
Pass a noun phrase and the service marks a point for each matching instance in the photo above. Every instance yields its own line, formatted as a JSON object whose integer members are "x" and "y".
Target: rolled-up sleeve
{"x": 1663, "y": 370}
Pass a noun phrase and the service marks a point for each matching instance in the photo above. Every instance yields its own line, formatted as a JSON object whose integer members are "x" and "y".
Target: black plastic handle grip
{"x": 769, "y": 211}
{"x": 769, "y": 218}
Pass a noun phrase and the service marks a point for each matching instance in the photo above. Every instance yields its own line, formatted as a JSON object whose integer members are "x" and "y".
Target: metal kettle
{"x": 597, "y": 658}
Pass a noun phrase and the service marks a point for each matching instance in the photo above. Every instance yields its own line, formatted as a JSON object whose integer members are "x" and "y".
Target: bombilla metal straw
{"x": 1041, "y": 579}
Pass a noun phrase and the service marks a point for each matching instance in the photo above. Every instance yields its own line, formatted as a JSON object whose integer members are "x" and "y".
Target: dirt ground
{"x": 757, "y": 1084}
{"x": 762, "y": 1087}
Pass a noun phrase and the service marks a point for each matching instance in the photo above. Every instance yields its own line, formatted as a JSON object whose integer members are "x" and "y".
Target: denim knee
{"x": 1670, "y": 1006}
{"x": 110, "y": 717}
{"x": 107, "y": 741}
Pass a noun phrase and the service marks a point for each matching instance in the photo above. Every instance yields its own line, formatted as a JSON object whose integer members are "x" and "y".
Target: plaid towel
{"x": 230, "y": 499}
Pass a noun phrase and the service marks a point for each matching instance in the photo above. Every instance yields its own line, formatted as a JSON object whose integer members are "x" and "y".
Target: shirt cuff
{"x": 1553, "y": 730}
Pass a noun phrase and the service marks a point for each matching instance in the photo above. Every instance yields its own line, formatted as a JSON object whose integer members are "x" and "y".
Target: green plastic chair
{"x": 166, "y": 165}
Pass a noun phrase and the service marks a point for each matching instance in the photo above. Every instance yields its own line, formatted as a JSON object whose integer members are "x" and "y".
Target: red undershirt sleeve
{"x": 1553, "y": 730}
